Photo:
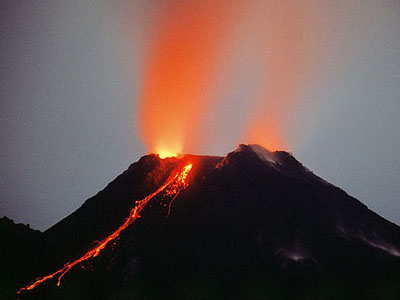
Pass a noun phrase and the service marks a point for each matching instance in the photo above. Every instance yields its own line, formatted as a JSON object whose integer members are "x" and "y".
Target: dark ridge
{"x": 18, "y": 246}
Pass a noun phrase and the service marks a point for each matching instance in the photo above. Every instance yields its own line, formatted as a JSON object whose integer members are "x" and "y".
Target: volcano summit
{"x": 252, "y": 225}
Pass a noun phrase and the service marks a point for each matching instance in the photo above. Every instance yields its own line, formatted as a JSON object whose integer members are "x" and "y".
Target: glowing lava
{"x": 164, "y": 153}
{"x": 171, "y": 187}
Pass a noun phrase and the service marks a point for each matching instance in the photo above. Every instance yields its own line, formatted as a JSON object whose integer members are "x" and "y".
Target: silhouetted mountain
{"x": 16, "y": 255}
{"x": 252, "y": 225}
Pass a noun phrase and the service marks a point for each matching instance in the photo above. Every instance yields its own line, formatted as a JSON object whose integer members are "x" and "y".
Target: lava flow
{"x": 171, "y": 187}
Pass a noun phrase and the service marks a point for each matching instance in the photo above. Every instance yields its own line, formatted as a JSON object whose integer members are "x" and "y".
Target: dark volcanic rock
{"x": 251, "y": 225}
{"x": 19, "y": 248}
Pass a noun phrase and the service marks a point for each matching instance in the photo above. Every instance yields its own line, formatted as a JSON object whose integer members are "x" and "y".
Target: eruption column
{"x": 171, "y": 187}
{"x": 286, "y": 44}
{"x": 181, "y": 63}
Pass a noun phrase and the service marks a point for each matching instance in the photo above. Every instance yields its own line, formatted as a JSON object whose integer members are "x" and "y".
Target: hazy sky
{"x": 70, "y": 79}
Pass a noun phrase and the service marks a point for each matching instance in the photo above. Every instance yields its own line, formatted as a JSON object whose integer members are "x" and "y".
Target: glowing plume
{"x": 201, "y": 51}
{"x": 285, "y": 45}
{"x": 181, "y": 63}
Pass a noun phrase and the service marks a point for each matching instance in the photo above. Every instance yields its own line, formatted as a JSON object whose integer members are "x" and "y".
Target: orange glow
{"x": 172, "y": 187}
{"x": 164, "y": 153}
{"x": 181, "y": 63}
{"x": 266, "y": 134}
{"x": 286, "y": 44}
{"x": 215, "y": 65}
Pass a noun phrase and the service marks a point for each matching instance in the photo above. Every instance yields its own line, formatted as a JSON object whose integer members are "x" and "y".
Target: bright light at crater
{"x": 164, "y": 153}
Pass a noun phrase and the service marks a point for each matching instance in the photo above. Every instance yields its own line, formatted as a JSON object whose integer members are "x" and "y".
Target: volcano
{"x": 254, "y": 224}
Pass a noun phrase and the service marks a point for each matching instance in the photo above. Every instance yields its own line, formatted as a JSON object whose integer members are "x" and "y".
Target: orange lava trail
{"x": 171, "y": 187}
{"x": 170, "y": 202}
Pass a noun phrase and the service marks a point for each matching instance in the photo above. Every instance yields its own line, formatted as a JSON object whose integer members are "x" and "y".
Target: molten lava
{"x": 164, "y": 153}
{"x": 172, "y": 187}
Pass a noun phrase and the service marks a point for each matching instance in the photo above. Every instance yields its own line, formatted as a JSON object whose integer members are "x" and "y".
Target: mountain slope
{"x": 252, "y": 225}
{"x": 17, "y": 260}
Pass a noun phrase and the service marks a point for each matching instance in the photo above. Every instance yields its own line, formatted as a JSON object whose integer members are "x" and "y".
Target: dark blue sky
{"x": 70, "y": 75}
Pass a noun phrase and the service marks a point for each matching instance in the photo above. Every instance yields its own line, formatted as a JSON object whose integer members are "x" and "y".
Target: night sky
{"x": 71, "y": 76}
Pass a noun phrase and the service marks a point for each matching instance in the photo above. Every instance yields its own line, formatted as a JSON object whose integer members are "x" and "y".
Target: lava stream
{"x": 171, "y": 187}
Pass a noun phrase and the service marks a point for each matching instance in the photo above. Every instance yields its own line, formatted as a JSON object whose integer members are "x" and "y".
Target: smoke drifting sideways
{"x": 200, "y": 52}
